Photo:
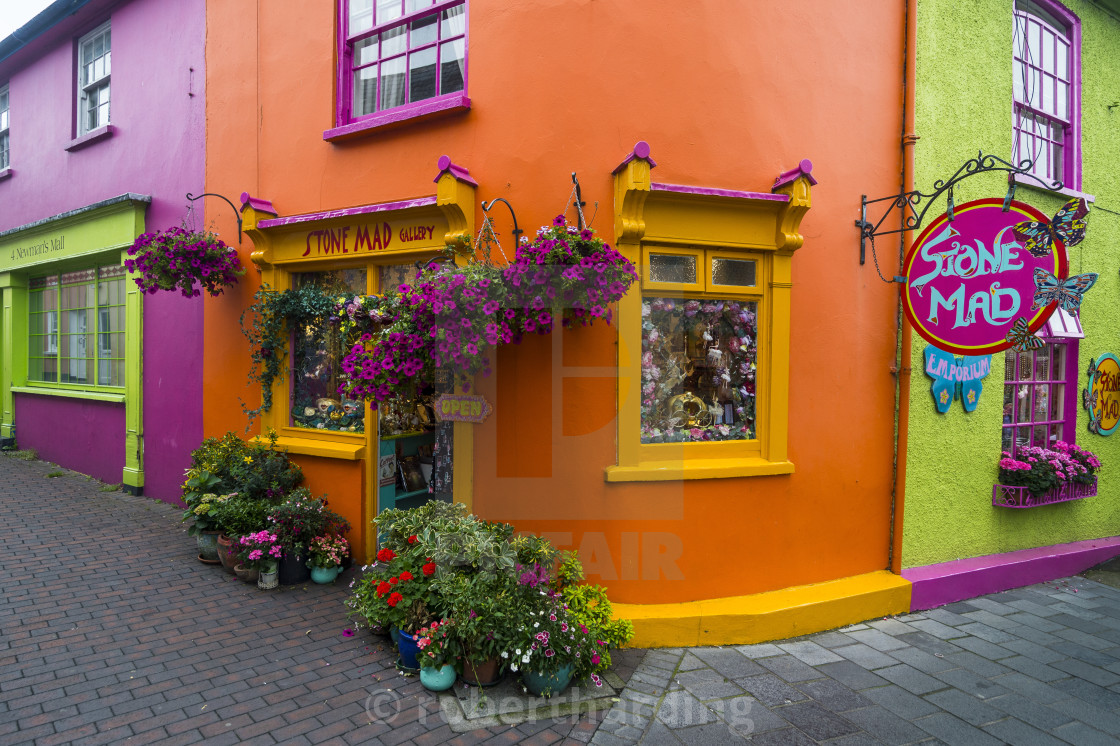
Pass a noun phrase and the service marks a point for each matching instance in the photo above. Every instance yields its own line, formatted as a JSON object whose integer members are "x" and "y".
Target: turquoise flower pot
{"x": 437, "y": 679}
{"x": 547, "y": 684}
{"x": 324, "y": 575}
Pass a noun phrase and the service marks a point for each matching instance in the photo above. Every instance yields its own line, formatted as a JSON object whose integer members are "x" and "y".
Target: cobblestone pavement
{"x": 112, "y": 632}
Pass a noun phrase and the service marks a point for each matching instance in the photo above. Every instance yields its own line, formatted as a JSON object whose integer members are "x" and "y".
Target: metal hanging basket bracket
{"x": 236, "y": 212}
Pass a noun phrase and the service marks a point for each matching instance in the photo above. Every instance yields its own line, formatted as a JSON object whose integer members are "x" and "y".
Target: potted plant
{"x": 259, "y": 552}
{"x": 182, "y": 259}
{"x": 297, "y": 521}
{"x": 1041, "y": 476}
{"x": 405, "y": 599}
{"x": 238, "y": 515}
{"x": 326, "y": 556}
{"x": 201, "y": 503}
{"x": 437, "y": 649}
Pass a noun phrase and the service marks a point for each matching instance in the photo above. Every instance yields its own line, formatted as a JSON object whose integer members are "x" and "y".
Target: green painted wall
{"x": 964, "y": 99}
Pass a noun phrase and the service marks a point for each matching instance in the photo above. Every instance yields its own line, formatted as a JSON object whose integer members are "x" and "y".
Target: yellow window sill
{"x": 715, "y": 468}
{"x": 70, "y": 393}
{"x": 347, "y": 451}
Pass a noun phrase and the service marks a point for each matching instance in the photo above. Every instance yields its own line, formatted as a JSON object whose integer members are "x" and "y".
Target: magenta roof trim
{"x": 710, "y": 191}
{"x": 804, "y": 168}
{"x": 445, "y": 165}
{"x": 262, "y": 205}
{"x": 311, "y": 217}
{"x": 641, "y": 150}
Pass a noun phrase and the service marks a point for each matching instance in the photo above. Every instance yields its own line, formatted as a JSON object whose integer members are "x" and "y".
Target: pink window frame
{"x": 1070, "y": 175}
{"x": 345, "y": 97}
{"x": 1068, "y": 379}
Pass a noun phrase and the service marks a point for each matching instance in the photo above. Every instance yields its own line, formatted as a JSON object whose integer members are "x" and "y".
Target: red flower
{"x": 386, "y": 555}
{"x": 412, "y": 539}
{"x": 429, "y": 568}
{"x": 395, "y": 599}
{"x": 406, "y": 575}
{"x": 383, "y": 588}
{"x": 393, "y": 581}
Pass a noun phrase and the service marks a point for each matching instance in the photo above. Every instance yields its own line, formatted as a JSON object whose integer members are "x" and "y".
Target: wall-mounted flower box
{"x": 1006, "y": 496}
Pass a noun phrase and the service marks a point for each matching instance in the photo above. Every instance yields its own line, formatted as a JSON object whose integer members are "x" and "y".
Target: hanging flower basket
{"x": 1009, "y": 496}
{"x": 185, "y": 260}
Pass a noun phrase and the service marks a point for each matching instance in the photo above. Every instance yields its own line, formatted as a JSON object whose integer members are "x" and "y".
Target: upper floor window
{"x": 1046, "y": 73}
{"x": 400, "y": 53}
{"x": 93, "y": 79}
{"x": 5, "y": 158}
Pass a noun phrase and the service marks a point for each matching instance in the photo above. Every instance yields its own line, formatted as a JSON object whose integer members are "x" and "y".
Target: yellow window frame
{"x": 708, "y": 224}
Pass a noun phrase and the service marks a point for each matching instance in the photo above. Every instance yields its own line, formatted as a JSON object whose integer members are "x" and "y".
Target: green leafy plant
{"x": 268, "y": 323}
{"x": 301, "y": 518}
{"x": 258, "y": 470}
{"x": 589, "y": 606}
{"x": 53, "y": 474}
{"x": 202, "y": 509}
{"x": 403, "y": 592}
{"x": 438, "y": 644}
{"x": 239, "y": 515}
{"x": 328, "y": 551}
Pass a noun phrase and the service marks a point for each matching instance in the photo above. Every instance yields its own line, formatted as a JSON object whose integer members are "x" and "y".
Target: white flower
{"x": 517, "y": 652}
{"x": 525, "y": 658}
{"x": 513, "y": 667}
{"x": 536, "y": 624}
{"x": 505, "y": 654}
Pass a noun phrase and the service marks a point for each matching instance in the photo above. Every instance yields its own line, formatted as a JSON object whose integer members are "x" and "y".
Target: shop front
{"x": 364, "y": 459}
{"x": 70, "y": 341}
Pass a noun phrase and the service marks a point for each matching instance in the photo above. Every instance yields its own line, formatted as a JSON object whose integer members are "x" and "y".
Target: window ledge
{"x": 716, "y": 468}
{"x": 401, "y": 115}
{"x": 323, "y": 448}
{"x": 70, "y": 394}
{"x": 89, "y": 138}
{"x": 1033, "y": 183}
{"x": 5, "y": 173}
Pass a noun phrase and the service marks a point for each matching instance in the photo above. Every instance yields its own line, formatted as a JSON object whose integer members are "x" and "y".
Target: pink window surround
{"x": 397, "y": 43}
{"x": 1032, "y": 383}
{"x": 1046, "y": 118}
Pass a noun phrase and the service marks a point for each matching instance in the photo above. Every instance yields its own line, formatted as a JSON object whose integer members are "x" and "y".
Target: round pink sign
{"x": 970, "y": 279}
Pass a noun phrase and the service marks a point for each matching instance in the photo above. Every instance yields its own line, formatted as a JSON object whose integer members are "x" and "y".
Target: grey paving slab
{"x": 985, "y": 632}
{"x": 865, "y": 656}
{"x": 765, "y": 650}
{"x": 900, "y": 702}
{"x": 1097, "y": 696}
{"x": 911, "y": 679}
{"x": 1084, "y": 735}
{"x": 783, "y": 737}
{"x": 790, "y": 669}
{"x": 971, "y": 682}
{"x": 729, "y": 662}
{"x": 810, "y": 653}
{"x": 746, "y": 715}
{"x": 680, "y": 709}
{"x": 833, "y": 696}
{"x": 922, "y": 660}
{"x": 771, "y": 690}
{"x": 715, "y": 734}
{"x": 706, "y": 683}
{"x": 851, "y": 675}
{"x": 1029, "y": 711}
{"x": 965, "y": 706}
{"x": 830, "y": 639}
{"x": 936, "y": 628}
{"x": 1079, "y": 709}
{"x": 976, "y": 664}
{"x": 1014, "y": 731}
{"x": 817, "y": 722}
{"x": 891, "y": 626}
{"x": 954, "y": 731}
{"x": 876, "y": 639}
{"x": 983, "y": 648}
{"x": 885, "y": 725}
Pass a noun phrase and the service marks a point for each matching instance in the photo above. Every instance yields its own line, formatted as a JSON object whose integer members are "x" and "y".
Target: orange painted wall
{"x": 728, "y": 95}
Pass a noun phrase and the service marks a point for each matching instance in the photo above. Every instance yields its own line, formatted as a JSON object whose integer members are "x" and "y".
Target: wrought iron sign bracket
{"x": 913, "y": 205}
{"x": 236, "y": 212}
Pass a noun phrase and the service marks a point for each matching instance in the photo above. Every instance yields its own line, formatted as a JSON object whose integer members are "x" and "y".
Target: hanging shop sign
{"x": 462, "y": 408}
{"x": 956, "y": 378}
{"x": 1102, "y": 396}
{"x": 982, "y": 279}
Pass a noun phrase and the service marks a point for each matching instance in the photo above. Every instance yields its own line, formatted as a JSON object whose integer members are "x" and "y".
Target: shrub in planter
{"x": 185, "y": 260}
{"x": 240, "y": 515}
{"x": 256, "y": 470}
{"x": 301, "y": 517}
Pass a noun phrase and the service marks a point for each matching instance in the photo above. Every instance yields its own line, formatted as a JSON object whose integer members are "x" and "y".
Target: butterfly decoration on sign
{"x": 1066, "y": 292}
{"x": 1068, "y": 226}
{"x": 1021, "y": 338}
{"x": 956, "y": 378}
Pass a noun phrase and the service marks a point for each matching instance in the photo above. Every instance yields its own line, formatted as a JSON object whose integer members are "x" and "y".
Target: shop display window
{"x": 316, "y": 352}
{"x": 94, "y": 63}
{"x": 5, "y": 157}
{"x": 1046, "y": 61}
{"x": 699, "y": 345}
{"x": 1037, "y": 388}
{"x": 399, "y": 53}
{"x": 698, "y": 369}
{"x": 76, "y": 327}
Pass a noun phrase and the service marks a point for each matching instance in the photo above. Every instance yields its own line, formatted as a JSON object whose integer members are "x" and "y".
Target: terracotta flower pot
{"x": 227, "y": 552}
{"x": 483, "y": 673}
{"x": 247, "y": 574}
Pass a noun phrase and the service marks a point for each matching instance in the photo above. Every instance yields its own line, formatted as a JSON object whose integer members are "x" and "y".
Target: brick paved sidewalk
{"x": 111, "y": 631}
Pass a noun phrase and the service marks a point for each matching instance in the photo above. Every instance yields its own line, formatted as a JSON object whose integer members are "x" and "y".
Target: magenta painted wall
{"x": 92, "y": 441}
{"x": 158, "y": 108}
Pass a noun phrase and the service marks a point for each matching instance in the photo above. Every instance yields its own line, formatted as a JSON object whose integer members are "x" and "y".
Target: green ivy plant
{"x": 272, "y": 317}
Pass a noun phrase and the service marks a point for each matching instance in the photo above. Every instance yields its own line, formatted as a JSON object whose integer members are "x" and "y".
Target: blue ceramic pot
{"x": 325, "y": 575}
{"x": 437, "y": 679}
{"x": 547, "y": 684}
{"x": 406, "y": 644}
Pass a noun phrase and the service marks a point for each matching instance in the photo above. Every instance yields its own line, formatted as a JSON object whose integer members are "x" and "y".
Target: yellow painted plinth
{"x": 775, "y": 615}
